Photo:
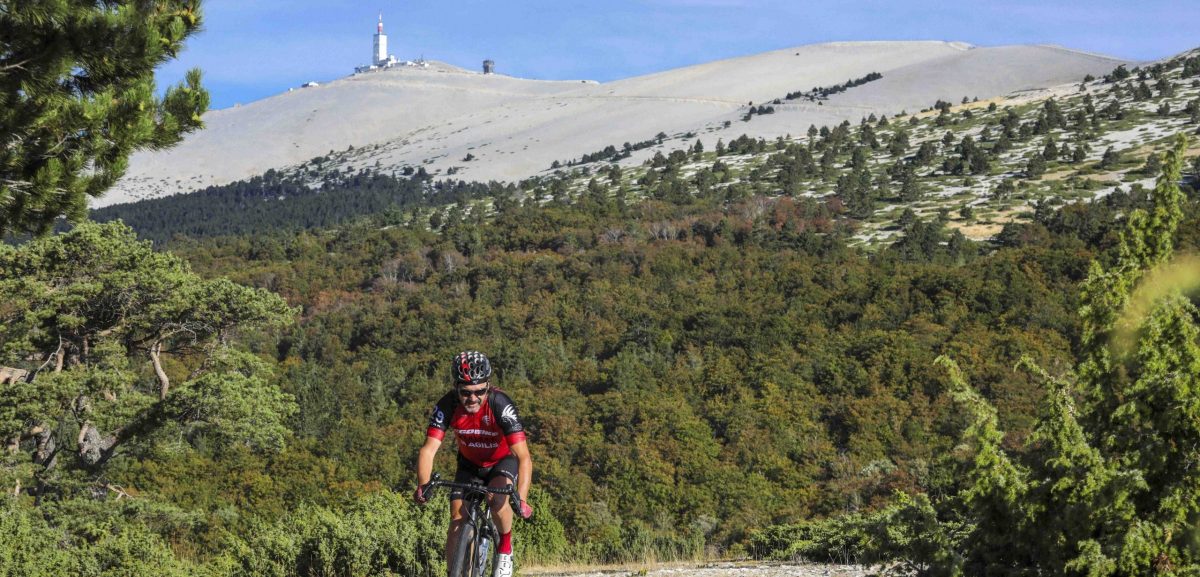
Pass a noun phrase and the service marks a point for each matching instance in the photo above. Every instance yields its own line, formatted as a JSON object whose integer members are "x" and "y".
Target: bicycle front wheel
{"x": 462, "y": 561}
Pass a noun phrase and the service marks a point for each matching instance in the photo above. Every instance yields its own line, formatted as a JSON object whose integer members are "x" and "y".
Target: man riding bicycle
{"x": 491, "y": 449}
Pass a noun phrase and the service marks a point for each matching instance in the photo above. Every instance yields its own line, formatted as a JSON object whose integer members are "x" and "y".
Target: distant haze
{"x": 485, "y": 127}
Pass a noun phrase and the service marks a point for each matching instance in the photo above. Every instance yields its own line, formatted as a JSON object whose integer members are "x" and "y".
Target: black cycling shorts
{"x": 469, "y": 472}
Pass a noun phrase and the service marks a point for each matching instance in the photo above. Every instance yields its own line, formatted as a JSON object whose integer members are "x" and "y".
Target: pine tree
{"x": 1036, "y": 167}
{"x": 1004, "y": 190}
{"x": 77, "y": 97}
{"x": 1110, "y": 159}
{"x": 1140, "y": 375}
{"x": 1153, "y": 165}
{"x": 1193, "y": 110}
{"x": 910, "y": 188}
{"x": 1191, "y": 67}
{"x": 1164, "y": 87}
{"x": 980, "y": 162}
{"x": 925, "y": 153}
{"x": 1002, "y": 145}
{"x": 1142, "y": 92}
{"x": 1050, "y": 151}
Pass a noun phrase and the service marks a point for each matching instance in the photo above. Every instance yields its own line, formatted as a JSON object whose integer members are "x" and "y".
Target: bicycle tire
{"x": 463, "y": 559}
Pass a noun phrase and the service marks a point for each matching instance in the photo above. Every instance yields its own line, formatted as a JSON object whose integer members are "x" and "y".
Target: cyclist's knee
{"x": 456, "y": 511}
{"x": 499, "y": 504}
{"x": 455, "y": 528}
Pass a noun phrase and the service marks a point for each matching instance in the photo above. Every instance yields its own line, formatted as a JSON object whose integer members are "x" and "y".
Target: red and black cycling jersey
{"x": 484, "y": 437}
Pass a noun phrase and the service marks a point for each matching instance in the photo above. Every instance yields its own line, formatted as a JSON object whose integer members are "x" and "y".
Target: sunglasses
{"x": 475, "y": 393}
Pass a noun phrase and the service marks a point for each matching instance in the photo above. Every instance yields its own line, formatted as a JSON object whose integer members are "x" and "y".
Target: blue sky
{"x": 251, "y": 49}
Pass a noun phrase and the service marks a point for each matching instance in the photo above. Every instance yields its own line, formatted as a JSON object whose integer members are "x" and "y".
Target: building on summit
{"x": 380, "y": 59}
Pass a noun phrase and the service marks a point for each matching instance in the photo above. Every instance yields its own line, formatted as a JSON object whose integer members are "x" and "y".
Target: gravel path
{"x": 723, "y": 569}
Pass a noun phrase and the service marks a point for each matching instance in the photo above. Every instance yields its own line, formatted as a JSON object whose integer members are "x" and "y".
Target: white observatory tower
{"x": 381, "y": 53}
{"x": 380, "y": 59}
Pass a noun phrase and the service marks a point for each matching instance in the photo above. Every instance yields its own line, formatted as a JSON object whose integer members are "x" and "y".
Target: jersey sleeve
{"x": 510, "y": 421}
{"x": 439, "y": 420}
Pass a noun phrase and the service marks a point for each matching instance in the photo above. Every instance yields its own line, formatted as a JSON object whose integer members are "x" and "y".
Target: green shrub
{"x": 29, "y": 547}
{"x": 36, "y": 545}
{"x": 845, "y": 539}
{"x": 382, "y": 534}
{"x": 541, "y": 539}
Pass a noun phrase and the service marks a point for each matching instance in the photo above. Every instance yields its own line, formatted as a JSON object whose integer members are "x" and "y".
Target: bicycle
{"x": 478, "y": 538}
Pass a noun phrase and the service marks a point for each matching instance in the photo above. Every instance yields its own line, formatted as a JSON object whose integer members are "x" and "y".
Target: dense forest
{"x": 277, "y": 201}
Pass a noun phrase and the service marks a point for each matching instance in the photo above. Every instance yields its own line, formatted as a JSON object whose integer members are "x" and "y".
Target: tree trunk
{"x": 45, "y": 452}
{"x": 164, "y": 384}
{"x": 94, "y": 449}
{"x": 10, "y": 375}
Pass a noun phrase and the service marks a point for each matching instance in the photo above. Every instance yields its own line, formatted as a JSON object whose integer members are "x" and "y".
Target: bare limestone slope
{"x": 514, "y": 128}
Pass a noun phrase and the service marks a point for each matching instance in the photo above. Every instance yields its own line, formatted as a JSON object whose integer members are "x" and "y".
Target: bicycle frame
{"x": 478, "y": 536}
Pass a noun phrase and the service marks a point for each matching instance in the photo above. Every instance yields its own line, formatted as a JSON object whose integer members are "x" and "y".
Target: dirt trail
{"x": 723, "y": 569}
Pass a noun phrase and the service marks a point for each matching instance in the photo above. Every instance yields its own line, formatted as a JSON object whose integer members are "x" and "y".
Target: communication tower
{"x": 381, "y": 55}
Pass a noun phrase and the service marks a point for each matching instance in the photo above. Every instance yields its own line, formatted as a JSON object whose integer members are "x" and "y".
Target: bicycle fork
{"x": 485, "y": 553}
{"x": 481, "y": 553}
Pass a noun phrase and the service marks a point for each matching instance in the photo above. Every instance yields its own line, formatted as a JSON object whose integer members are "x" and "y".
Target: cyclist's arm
{"x": 425, "y": 459}
{"x": 438, "y": 424}
{"x": 524, "y": 468}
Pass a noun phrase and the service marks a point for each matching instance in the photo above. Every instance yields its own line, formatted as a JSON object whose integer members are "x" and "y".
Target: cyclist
{"x": 491, "y": 449}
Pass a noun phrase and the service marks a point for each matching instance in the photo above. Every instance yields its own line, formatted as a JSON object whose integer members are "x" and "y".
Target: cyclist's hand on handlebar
{"x": 526, "y": 511}
{"x": 421, "y": 496}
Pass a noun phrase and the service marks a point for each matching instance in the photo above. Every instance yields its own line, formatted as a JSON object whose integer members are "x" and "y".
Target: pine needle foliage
{"x": 77, "y": 97}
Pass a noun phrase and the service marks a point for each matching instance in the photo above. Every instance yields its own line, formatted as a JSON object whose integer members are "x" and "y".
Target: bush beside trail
{"x": 382, "y": 534}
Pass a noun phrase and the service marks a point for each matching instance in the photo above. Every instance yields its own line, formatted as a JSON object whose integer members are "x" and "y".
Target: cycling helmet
{"x": 470, "y": 367}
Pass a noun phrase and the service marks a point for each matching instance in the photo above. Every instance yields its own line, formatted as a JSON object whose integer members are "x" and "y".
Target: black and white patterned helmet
{"x": 470, "y": 367}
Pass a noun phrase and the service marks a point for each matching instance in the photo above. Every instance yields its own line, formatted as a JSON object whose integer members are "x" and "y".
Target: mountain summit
{"x": 478, "y": 126}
